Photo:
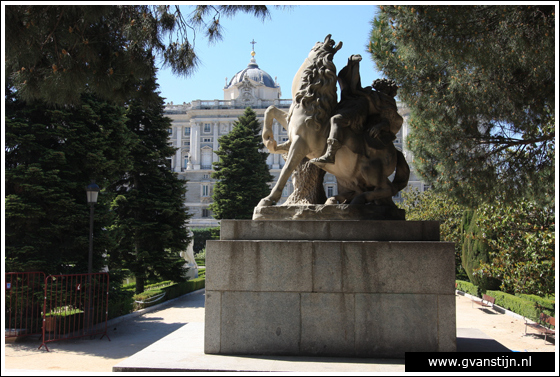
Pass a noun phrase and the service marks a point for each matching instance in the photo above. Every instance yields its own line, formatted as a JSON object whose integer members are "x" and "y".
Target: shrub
{"x": 530, "y": 308}
{"x": 169, "y": 291}
{"x": 201, "y": 235}
{"x": 470, "y": 288}
{"x": 475, "y": 252}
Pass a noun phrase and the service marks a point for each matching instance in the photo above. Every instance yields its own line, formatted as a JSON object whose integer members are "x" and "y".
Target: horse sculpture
{"x": 364, "y": 120}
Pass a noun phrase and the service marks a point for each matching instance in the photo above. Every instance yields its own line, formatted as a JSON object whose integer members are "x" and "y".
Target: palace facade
{"x": 197, "y": 125}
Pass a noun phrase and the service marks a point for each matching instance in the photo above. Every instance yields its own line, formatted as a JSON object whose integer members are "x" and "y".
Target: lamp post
{"x": 91, "y": 190}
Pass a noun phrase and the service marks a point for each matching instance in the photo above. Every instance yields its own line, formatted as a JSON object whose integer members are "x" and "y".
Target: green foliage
{"x": 521, "y": 239}
{"x": 522, "y": 306}
{"x": 51, "y": 155}
{"x": 479, "y": 81}
{"x": 529, "y": 306}
{"x": 54, "y": 53}
{"x": 151, "y": 219}
{"x": 470, "y": 288}
{"x": 201, "y": 235}
{"x": 169, "y": 291}
{"x": 475, "y": 252}
{"x": 242, "y": 173}
{"x": 433, "y": 206}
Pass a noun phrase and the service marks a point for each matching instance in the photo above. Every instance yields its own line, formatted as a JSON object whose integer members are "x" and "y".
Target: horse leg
{"x": 271, "y": 113}
{"x": 298, "y": 151}
{"x": 333, "y": 142}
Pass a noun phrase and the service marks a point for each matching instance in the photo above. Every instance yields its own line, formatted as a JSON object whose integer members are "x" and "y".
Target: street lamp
{"x": 92, "y": 190}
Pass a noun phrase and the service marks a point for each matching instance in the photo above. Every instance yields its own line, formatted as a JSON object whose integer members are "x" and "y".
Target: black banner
{"x": 479, "y": 362}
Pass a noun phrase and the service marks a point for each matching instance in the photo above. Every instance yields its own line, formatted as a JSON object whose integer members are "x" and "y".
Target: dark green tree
{"x": 55, "y": 52}
{"x": 51, "y": 155}
{"x": 242, "y": 173}
{"x": 151, "y": 218}
{"x": 475, "y": 251}
{"x": 479, "y": 81}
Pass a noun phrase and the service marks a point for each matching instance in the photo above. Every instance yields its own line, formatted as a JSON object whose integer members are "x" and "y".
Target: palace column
{"x": 179, "y": 148}
{"x": 215, "y": 144}
{"x": 195, "y": 145}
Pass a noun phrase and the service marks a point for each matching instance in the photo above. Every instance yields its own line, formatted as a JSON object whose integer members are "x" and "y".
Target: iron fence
{"x": 56, "y": 306}
{"x": 75, "y": 306}
{"x": 24, "y": 302}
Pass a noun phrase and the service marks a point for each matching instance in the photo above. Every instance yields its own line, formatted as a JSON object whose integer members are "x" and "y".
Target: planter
{"x": 64, "y": 324}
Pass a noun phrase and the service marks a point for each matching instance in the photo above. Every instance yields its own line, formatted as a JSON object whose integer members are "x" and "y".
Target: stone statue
{"x": 351, "y": 139}
{"x": 190, "y": 262}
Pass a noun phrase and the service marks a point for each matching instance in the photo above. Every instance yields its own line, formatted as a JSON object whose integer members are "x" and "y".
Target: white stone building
{"x": 197, "y": 125}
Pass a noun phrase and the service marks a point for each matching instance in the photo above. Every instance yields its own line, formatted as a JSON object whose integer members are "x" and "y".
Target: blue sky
{"x": 282, "y": 43}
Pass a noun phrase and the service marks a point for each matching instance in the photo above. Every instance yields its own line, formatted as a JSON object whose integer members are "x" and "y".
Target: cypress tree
{"x": 242, "y": 173}
{"x": 151, "y": 218}
{"x": 475, "y": 252}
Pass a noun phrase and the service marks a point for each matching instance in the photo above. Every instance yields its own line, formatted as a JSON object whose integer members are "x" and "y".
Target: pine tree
{"x": 242, "y": 173}
{"x": 479, "y": 81}
{"x": 56, "y": 52}
{"x": 151, "y": 224}
{"x": 51, "y": 156}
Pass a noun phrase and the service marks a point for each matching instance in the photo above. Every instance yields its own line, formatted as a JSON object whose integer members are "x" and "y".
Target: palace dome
{"x": 254, "y": 73}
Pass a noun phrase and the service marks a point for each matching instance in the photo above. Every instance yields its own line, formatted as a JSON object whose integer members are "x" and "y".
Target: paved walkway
{"x": 134, "y": 333}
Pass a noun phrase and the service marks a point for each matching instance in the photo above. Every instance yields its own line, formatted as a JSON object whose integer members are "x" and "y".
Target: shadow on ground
{"x": 126, "y": 338}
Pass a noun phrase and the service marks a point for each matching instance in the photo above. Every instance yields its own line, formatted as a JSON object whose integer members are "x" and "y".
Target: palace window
{"x": 205, "y": 190}
{"x": 206, "y": 127}
{"x": 187, "y": 131}
{"x": 205, "y": 212}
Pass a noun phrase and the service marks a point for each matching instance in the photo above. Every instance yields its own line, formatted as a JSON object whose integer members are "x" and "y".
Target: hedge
{"x": 529, "y": 306}
{"x": 468, "y": 287}
{"x": 201, "y": 235}
{"x": 170, "y": 292}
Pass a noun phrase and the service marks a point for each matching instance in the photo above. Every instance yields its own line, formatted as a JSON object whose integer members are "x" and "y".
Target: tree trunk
{"x": 139, "y": 284}
{"x": 308, "y": 184}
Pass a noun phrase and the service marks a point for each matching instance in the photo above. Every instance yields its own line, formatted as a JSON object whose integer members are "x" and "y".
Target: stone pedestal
{"x": 329, "y": 288}
{"x": 329, "y": 212}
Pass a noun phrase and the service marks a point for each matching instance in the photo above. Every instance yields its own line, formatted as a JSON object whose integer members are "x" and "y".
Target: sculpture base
{"x": 329, "y": 212}
{"x": 316, "y": 288}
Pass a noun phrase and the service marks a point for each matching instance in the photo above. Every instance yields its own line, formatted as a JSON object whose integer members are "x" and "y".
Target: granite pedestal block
{"x": 329, "y": 288}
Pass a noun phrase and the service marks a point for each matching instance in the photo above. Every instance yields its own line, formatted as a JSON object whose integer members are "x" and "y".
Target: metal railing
{"x": 24, "y": 303}
{"x": 75, "y": 306}
{"x": 56, "y": 306}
